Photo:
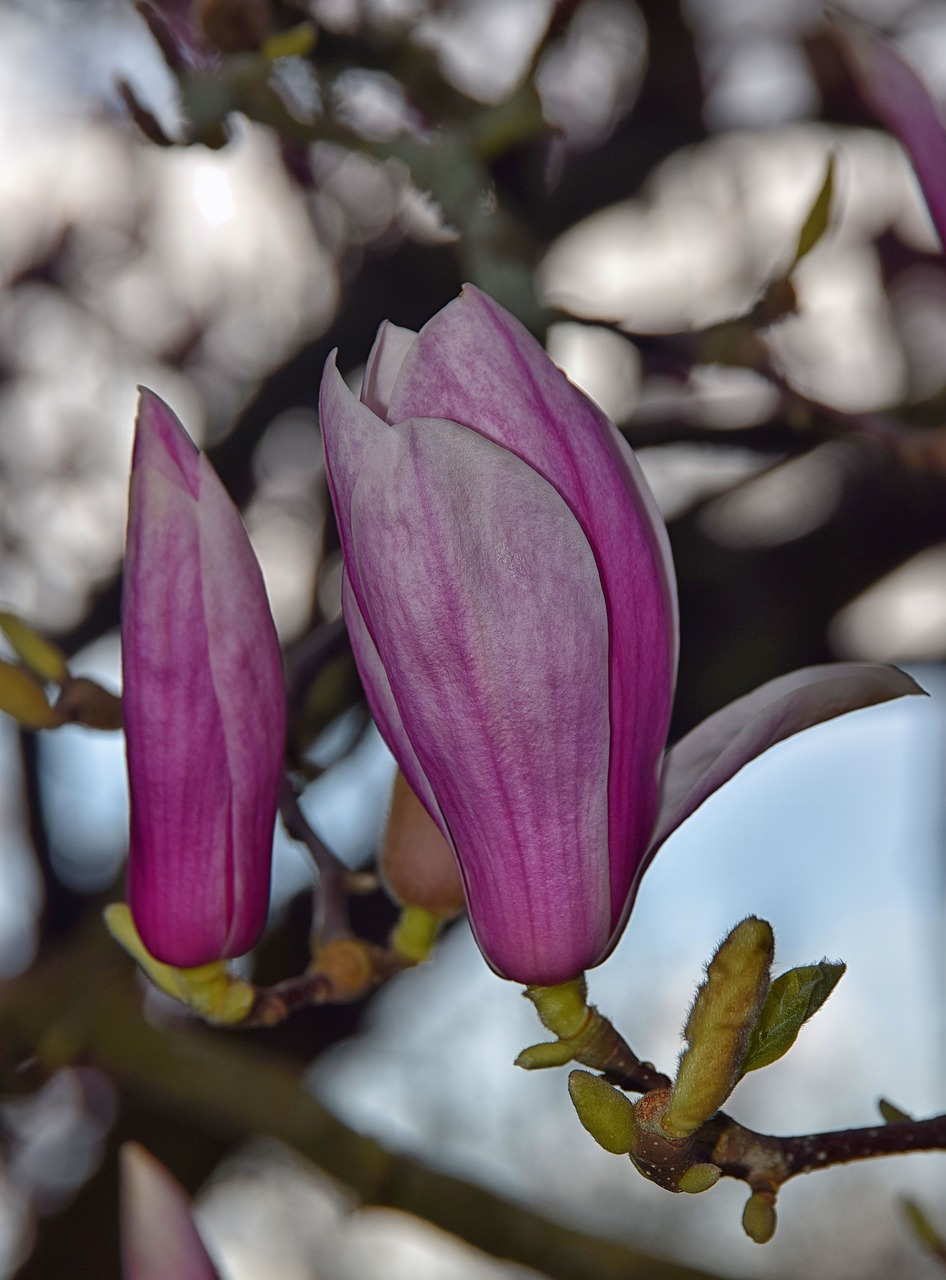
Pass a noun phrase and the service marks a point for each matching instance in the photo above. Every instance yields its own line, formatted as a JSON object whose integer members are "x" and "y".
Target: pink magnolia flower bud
{"x": 203, "y": 702}
{"x": 159, "y": 1238}
{"x": 511, "y": 602}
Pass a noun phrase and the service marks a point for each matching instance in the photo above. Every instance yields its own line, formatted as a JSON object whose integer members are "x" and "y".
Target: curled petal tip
{"x": 724, "y": 743}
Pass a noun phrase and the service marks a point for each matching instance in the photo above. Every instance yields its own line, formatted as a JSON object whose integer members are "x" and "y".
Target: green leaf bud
{"x": 759, "y": 1218}
{"x": 699, "y": 1177}
{"x": 891, "y": 1113}
{"x": 718, "y": 1029}
{"x": 605, "y": 1112}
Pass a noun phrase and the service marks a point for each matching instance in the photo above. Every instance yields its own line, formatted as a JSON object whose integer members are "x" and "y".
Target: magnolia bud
{"x": 416, "y": 864}
{"x": 759, "y": 1217}
{"x": 605, "y": 1112}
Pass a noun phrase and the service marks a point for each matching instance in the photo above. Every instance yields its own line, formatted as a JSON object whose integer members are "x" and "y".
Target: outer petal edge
{"x": 717, "y": 749}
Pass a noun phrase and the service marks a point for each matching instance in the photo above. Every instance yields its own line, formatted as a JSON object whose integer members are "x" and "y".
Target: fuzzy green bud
{"x": 699, "y": 1177}
{"x": 414, "y": 935}
{"x": 550, "y": 1053}
{"x": 724, "y": 1013}
{"x": 759, "y": 1218}
{"x": 605, "y": 1112}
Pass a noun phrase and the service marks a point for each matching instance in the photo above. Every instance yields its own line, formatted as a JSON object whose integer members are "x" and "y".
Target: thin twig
{"x": 330, "y": 918}
{"x": 764, "y": 1159}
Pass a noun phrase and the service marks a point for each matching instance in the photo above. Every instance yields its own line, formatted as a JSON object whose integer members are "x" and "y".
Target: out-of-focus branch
{"x": 82, "y": 1004}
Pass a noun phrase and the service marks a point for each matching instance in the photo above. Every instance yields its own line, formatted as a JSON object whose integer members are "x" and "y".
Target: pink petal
{"x": 203, "y": 705}
{"x": 384, "y": 707}
{"x": 474, "y": 364}
{"x": 177, "y": 29}
{"x": 159, "y": 1239}
{"x": 480, "y": 592}
{"x": 384, "y": 364}
{"x": 718, "y": 748}
{"x": 349, "y": 428}
{"x": 904, "y": 104}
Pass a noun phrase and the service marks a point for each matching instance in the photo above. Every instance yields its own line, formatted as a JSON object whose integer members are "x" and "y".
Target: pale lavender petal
{"x": 384, "y": 364}
{"x": 350, "y": 432}
{"x": 246, "y": 670}
{"x": 384, "y": 707}
{"x": 481, "y": 592}
{"x": 718, "y": 748}
{"x": 474, "y": 364}
{"x": 175, "y": 26}
{"x": 159, "y": 1238}
{"x": 203, "y": 705}
{"x": 905, "y": 105}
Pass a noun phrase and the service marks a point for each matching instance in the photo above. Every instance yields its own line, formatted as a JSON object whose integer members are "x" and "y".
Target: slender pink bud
{"x": 203, "y": 703}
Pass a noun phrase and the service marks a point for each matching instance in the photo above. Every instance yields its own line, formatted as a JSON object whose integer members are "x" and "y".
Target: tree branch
{"x": 84, "y": 1005}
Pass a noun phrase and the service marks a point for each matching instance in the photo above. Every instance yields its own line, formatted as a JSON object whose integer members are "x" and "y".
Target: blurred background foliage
{"x": 209, "y": 197}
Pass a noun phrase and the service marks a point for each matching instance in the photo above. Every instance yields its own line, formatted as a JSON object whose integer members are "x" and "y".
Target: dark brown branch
{"x": 768, "y": 1160}
{"x": 820, "y": 1150}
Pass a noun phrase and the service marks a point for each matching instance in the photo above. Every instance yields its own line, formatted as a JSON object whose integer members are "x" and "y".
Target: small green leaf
{"x": 890, "y": 1113}
{"x": 25, "y": 700}
{"x": 816, "y": 224}
{"x": 923, "y": 1230}
{"x": 43, "y": 658}
{"x": 793, "y": 999}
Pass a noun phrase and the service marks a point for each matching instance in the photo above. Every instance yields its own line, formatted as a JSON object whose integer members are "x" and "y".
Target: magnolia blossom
{"x": 904, "y": 104}
{"x": 159, "y": 1238}
{"x": 203, "y": 703}
{"x": 511, "y": 602}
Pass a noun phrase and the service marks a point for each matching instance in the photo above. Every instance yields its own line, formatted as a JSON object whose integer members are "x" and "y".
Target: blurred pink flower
{"x": 159, "y": 1239}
